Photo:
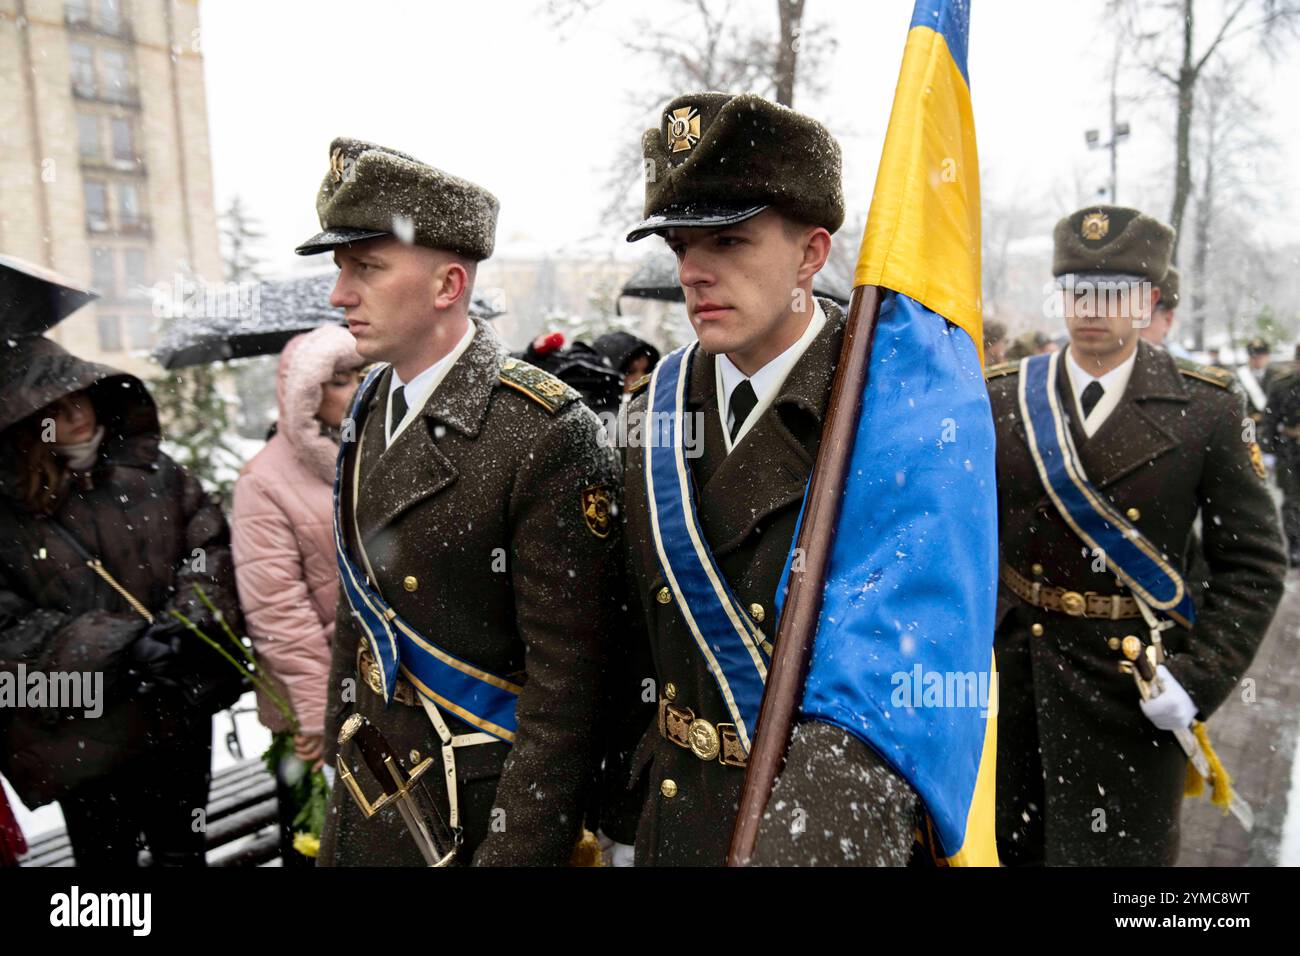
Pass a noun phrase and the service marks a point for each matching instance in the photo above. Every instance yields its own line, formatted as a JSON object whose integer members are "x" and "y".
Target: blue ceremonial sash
{"x": 1133, "y": 559}
{"x": 471, "y": 693}
{"x": 728, "y": 639}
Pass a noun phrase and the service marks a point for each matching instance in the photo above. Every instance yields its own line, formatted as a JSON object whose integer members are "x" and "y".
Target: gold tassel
{"x": 586, "y": 852}
{"x": 1194, "y": 785}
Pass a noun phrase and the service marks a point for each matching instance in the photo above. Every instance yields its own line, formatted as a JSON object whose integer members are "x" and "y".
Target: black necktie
{"x": 1091, "y": 396}
{"x": 398, "y": 402}
{"x": 743, "y": 401}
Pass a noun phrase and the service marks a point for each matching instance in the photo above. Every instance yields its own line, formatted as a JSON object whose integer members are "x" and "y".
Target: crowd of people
{"x": 438, "y": 557}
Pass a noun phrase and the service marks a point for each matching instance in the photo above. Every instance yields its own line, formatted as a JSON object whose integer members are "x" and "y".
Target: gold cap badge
{"x": 683, "y": 128}
{"x": 1095, "y": 226}
{"x": 336, "y": 165}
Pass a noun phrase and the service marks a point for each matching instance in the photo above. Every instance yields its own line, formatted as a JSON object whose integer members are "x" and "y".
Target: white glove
{"x": 1173, "y": 709}
{"x": 621, "y": 855}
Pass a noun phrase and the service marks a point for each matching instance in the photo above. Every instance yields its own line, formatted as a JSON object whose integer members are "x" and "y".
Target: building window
{"x": 128, "y": 205}
{"x": 103, "y": 277}
{"x": 96, "y": 206}
{"x": 83, "y": 69}
{"x": 116, "y": 74}
{"x": 134, "y": 264}
{"x": 139, "y": 330}
{"x": 110, "y": 16}
{"x": 123, "y": 142}
{"x": 77, "y": 11}
{"x": 88, "y": 136}
{"x": 110, "y": 333}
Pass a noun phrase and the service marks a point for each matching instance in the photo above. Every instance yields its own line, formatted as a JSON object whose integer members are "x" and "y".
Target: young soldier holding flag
{"x": 746, "y": 193}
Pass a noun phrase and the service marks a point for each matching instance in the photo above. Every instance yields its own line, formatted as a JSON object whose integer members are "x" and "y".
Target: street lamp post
{"x": 1118, "y": 132}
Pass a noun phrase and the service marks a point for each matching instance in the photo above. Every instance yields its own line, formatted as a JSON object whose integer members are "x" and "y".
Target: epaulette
{"x": 542, "y": 387}
{"x": 641, "y": 384}
{"x": 1003, "y": 368}
{"x": 1215, "y": 376}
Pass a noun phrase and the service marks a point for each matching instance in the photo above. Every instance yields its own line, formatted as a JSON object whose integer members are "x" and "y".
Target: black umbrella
{"x": 262, "y": 324}
{"x": 258, "y": 323}
{"x": 657, "y": 279}
{"x": 33, "y": 298}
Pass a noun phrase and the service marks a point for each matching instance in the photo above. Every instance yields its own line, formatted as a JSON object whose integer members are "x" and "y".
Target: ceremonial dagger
{"x": 435, "y": 841}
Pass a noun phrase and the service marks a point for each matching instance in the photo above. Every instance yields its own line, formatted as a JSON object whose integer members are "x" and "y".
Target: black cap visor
{"x": 340, "y": 236}
{"x": 692, "y": 216}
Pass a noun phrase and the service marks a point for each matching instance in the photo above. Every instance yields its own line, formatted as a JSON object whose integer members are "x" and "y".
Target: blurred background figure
{"x": 1031, "y": 343}
{"x": 630, "y": 356}
{"x": 995, "y": 343}
{"x": 580, "y": 367}
{"x": 283, "y": 543}
{"x": 12, "y": 844}
{"x": 1158, "y": 331}
{"x": 82, "y": 479}
{"x": 1281, "y": 433}
{"x": 1257, "y": 378}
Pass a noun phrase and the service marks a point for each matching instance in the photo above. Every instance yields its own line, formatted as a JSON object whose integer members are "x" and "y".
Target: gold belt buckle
{"x": 703, "y": 738}
{"x": 1073, "y": 603}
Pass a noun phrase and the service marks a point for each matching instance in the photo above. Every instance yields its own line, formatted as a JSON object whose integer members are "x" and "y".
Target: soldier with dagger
{"x": 476, "y": 546}
{"x": 1108, "y": 452}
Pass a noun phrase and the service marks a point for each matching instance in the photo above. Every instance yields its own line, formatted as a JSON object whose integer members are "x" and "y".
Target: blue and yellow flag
{"x": 903, "y": 656}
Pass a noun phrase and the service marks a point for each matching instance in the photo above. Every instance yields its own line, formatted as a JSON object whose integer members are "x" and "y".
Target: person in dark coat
{"x": 1281, "y": 432}
{"x": 81, "y": 476}
{"x": 1088, "y": 773}
{"x": 632, "y": 357}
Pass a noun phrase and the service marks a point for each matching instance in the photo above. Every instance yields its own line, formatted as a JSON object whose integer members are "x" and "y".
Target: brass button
{"x": 757, "y": 613}
{"x": 1133, "y": 514}
{"x": 668, "y": 788}
{"x": 1036, "y": 630}
{"x": 664, "y": 596}
{"x": 415, "y": 757}
{"x": 1037, "y": 569}
{"x": 1113, "y": 643}
{"x": 410, "y": 583}
{"x": 670, "y": 691}
{"x": 1132, "y": 647}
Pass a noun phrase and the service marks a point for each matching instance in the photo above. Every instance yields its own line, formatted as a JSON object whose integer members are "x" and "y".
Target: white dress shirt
{"x": 1113, "y": 384}
{"x": 419, "y": 388}
{"x": 767, "y": 381}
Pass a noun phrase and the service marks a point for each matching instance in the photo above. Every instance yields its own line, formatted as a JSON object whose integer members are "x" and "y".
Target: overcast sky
{"x": 488, "y": 90}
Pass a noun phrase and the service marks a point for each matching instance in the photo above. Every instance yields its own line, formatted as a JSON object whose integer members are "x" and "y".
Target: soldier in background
{"x": 1281, "y": 429}
{"x": 1256, "y": 378}
{"x": 1031, "y": 343}
{"x": 1159, "y": 330}
{"x": 995, "y": 343}
{"x": 1088, "y": 773}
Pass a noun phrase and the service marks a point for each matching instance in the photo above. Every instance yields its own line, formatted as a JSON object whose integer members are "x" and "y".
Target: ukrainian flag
{"x": 903, "y": 656}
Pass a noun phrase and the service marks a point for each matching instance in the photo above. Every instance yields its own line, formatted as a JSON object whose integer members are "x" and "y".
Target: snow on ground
{"x": 1288, "y": 851}
{"x": 253, "y": 739}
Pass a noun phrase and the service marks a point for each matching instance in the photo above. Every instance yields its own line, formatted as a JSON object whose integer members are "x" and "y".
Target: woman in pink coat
{"x": 283, "y": 538}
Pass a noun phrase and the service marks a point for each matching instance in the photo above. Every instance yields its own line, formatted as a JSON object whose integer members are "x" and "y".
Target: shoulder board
{"x": 1003, "y": 368}
{"x": 641, "y": 384}
{"x": 1215, "y": 376}
{"x": 542, "y": 387}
